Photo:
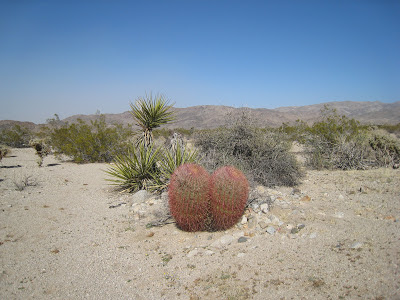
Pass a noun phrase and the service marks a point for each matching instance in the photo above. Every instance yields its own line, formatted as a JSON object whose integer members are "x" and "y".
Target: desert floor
{"x": 68, "y": 235}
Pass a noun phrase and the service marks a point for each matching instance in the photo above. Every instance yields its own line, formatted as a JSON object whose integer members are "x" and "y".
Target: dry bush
{"x": 263, "y": 155}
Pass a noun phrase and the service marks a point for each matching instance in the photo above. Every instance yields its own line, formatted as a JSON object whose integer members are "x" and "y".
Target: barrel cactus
{"x": 188, "y": 194}
{"x": 229, "y": 191}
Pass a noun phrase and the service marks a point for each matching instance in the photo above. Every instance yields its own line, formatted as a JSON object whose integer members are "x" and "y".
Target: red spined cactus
{"x": 189, "y": 199}
{"x": 229, "y": 190}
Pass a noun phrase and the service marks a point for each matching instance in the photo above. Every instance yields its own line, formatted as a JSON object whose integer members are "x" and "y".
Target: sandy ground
{"x": 59, "y": 239}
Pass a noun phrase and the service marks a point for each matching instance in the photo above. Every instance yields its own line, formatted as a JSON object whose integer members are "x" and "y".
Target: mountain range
{"x": 212, "y": 116}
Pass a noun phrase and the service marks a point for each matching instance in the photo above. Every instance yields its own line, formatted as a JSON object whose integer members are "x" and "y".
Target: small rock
{"x": 209, "y": 252}
{"x": 339, "y": 215}
{"x": 264, "y": 208}
{"x": 294, "y": 230}
{"x": 244, "y": 220}
{"x": 140, "y": 196}
{"x": 300, "y": 226}
{"x": 192, "y": 253}
{"x": 255, "y": 207}
{"x": 271, "y": 230}
{"x": 341, "y": 197}
{"x": 289, "y": 226}
{"x": 241, "y": 254}
{"x": 313, "y": 235}
{"x": 296, "y": 191}
{"x": 223, "y": 241}
{"x": 306, "y": 199}
{"x": 275, "y": 220}
{"x": 263, "y": 224}
{"x": 242, "y": 239}
{"x": 252, "y": 222}
{"x": 356, "y": 245}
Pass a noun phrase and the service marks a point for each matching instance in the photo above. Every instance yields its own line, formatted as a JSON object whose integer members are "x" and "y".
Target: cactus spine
{"x": 229, "y": 191}
{"x": 188, "y": 194}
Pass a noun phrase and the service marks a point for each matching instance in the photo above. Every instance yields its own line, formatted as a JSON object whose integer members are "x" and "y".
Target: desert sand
{"x": 67, "y": 234}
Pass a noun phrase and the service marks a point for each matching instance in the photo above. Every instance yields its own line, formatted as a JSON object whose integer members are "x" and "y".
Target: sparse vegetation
{"x": 94, "y": 142}
{"x": 263, "y": 155}
{"x": 24, "y": 181}
{"x": 42, "y": 149}
{"x": 338, "y": 142}
{"x": 147, "y": 166}
{"x": 16, "y": 136}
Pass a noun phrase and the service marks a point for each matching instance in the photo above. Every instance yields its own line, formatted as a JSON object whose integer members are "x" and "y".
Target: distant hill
{"x": 212, "y": 116}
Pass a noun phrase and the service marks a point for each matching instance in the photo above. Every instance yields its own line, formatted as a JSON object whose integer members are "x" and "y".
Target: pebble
{"x": 244, "y": 220}
{"x": 313, "y": 235}
{"x": 242, "y": 239}
{"x": 263, "y": 224}
{"x": 192, "y": 253}
{"x": 306, "y": 199}
{"x": 339, "y": 215}
{"x": 252, "y": 222}
{"x": 271, "y": 230}
{"x": 209, "y": 252}
{"x": 264, "y": 208}
{"x": 241, "y": 254}
{"x": 300, "y": 226}
{"x": 356, "y": 245}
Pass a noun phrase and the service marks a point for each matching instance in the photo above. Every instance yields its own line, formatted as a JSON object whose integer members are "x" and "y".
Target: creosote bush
{"x": 94, "y": 142}
{"x": 338, "y": 142}
{"x": 16, "y": 136}
{"x": 263, "y": 155}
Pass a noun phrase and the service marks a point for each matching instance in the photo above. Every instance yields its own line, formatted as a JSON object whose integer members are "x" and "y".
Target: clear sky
{"x": 76, "y": 57}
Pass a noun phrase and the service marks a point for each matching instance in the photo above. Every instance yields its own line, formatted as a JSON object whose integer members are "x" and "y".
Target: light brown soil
{"x": 60, "y": 239}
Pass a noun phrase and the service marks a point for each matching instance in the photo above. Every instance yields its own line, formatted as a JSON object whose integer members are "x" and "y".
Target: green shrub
{"x": 42, "y": 149}
{"x": 338, "y": 142}
{"x": 94, "y": 142}
{"x": 16, "y": 137}
{"x": 149, "y": 167}
{"x": 263, "y": 155}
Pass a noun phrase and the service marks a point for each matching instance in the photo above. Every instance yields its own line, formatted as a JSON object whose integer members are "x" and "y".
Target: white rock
{"x": 271, "y": 230}
{"x": 339, "y": 215}
{"x": 241, "y": 254}
{"x": 140, "y": 196}
{"x": 264, "y": 208}
{"x": 223, "y": 241}
{"x": 244, "y": 220}
{"x": 192, "y": 253}
{"x": 313, "y": 235}
{"x": 356, "y": 245}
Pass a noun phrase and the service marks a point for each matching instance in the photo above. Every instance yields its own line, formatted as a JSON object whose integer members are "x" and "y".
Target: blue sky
{"x": 76, "y": 57}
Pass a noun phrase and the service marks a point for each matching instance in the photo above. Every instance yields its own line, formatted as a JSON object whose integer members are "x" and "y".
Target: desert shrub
{"x": 385, "y": 148}
{"x": 42, "y": 149}
{"x": 263, "y": 155}
{"x": 16, "y": 136}
{"x": 338, "y": 142}
{"x": 94, "y": 142}
{"x": 4, "y": 151}
{"x": 395, "y": 129}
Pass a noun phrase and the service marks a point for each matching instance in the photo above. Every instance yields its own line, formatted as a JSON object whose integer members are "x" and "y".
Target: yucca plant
{"x": 137, "y": 170}
{"x": 150, "y": 113}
